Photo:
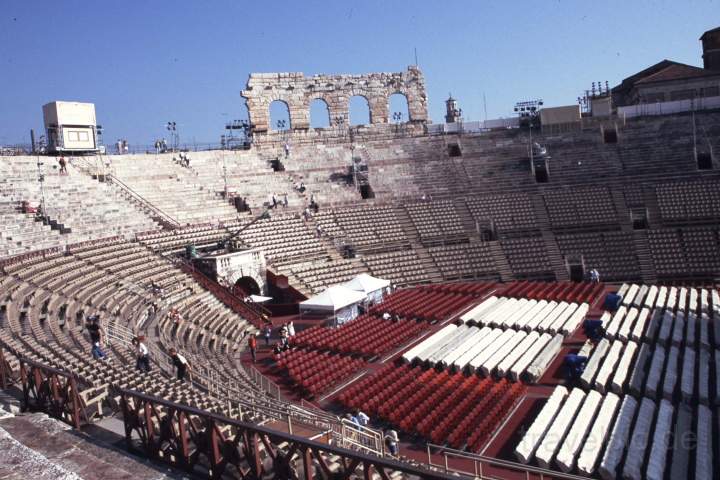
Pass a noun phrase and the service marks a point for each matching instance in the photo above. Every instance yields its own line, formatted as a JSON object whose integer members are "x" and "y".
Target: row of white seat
{"x": 573, "y": 431}
{"x": 527, "y": 314}
{"x": 642, "y": 369}
{"x": 671, "y": 298}
{"x": 665, "y": 327}
{"x": 506, "y": 353}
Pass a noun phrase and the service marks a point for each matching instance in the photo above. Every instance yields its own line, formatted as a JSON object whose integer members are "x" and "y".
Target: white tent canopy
{"x": 367, "y": 284}
{"x": 258, "y": 299}
{"x": 333, "y": 299}
{"x": 338, "y": 300}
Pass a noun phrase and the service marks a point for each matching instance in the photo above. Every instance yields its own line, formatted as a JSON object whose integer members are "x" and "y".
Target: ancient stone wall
{"x": 298, "y": 92}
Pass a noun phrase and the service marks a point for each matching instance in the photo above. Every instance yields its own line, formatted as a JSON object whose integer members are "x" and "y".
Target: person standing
{"x": 362, "y": 418}
{"x": 291, "y": 329}
{"x": 96, "y": 335}
{"x": 391, "y": 442}
{"x": 63, "y": 166}
{"x": 252, "y": 343}
{"x": 142, "y": 354}
{"x": 97, "y": 352}
{"x": 182, "y": 366}
{"x": 267, "y": 332}
{"x": 284, "y": 335}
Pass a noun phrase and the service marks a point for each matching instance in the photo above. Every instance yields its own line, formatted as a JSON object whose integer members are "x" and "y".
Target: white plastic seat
{"x": 619, "y": 437}
{"x": 568, "y": 453}
{"x": 559, "y": 428}
{"x": 639, "y": 440}
{"x": 598, "y": 435}
{"x": 542, "y": 423}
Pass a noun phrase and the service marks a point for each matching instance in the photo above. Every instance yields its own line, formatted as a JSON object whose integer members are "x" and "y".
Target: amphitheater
{"x": 469, "y": 357}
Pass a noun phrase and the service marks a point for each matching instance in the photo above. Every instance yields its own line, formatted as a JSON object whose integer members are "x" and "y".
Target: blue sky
{"x": 146, "y": 62}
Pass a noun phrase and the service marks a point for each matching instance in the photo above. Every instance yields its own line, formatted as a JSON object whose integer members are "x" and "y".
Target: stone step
{"x": 501, "y": 261}
{"x": 623, "y": 213}
{"x": 51, "y": 449}
{"x": 642, "y": 250}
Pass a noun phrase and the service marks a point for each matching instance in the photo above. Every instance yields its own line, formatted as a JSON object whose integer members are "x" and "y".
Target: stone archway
{"x": 298, "y": 92}
{"x": 246, "y": 286}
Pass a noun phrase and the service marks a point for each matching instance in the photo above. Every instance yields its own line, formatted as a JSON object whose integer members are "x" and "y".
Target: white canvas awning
{"x": 367, "y": 283}
{"x": 333, "y": 299}
{"x": 258, "y": 299}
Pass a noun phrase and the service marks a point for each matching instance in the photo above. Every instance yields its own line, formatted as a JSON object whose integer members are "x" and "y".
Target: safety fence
{"x": 221, "y": 447}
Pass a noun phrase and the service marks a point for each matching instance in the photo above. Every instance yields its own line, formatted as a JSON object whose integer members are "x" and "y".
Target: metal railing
{"x": 164, "y": 218}
{"x": 251, "y": 313}
{"x": 52, "y": 391}
{"x": 364, "y": 439}
{"x": 262, "y": 382}
{"x": 455, "y": 461}
{"x": 194, "y": 439}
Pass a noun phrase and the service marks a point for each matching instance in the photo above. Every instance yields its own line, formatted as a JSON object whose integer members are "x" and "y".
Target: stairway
{"x": 642, "y": 250}
{"x": 326, "y": 242}
{"x": 651, "y": 204}
{"x": 433, "y": 272}
{"x": 623, "y": 213}
{"x": 407, "y": 225}
{"x": 466, "y": 217}
{"x": 557, "y": 262}
{"x": 501, "y": 261}
{"x": 555, "y": 257}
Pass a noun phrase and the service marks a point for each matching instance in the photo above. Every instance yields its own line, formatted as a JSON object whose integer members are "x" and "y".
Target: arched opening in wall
{"x": 359, "y": 110}
{"x": 279, "y": 116}
{"x": 246, "y": 286}
{"x": 398, "y": 105}
{"x": 319, "y": 114}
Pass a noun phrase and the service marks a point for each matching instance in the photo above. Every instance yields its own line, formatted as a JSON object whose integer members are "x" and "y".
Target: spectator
{"x": 291, "y": 329}
{"x": 94, "y": 329}
{"x": 352, "y": 418}
{"x": 302, "y": 187}
{"x": 284, "y": 333}
{"x": 252, "y": 343}
{"x": 287, "y": 149}
{"x": 361, "y": 417}
{"x": 63, "y": 166}
{"x": 267, "y": 332}
{"x": 391, "y": 442}
{"x": 142, "y": 354}
{"x": 386, "y": 316}
{"x": 285, "y": 200}
{"x": 274, "y": 201}
{"x": 594, "y": 276}
{"x": 97, "y": 352}
{"x": 182, "y": 366}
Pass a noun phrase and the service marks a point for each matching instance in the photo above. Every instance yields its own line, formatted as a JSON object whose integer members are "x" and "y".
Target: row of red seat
{"x": 584, "y": 292}
{"x": 475, "y": 289}
{"x": 367, "y": 335}
{"x": 314, "y": 371}
{"x": 485, "y": 417}
{"x": 422, "y": 303}
{"x": 441, "y": 406}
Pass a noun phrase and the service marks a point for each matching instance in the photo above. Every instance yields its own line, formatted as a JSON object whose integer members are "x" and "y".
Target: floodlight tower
{"x": 172, "y": 127}
{"x": 41, "y": 181}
